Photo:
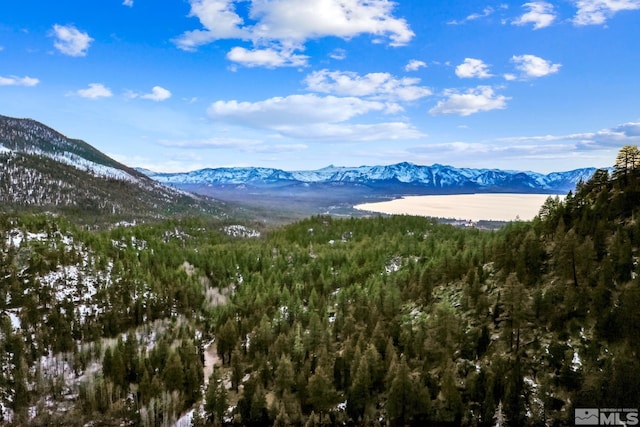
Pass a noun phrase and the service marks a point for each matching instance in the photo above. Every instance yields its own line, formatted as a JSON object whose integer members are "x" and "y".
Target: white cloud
{"x": 332, "y": 132}
{"x": 540, "y": 14}
{"x": 157, "y": 94}
{"x": 415, "y": 65}
{"x": 127, "y": 3}
{"x": 487, "y": 11}
{"x": 71, "y": 41}
{"x": 278, "y": 112}
{"x": 381, "y": 86}
{"x": 624, "y": 134}
{"x": 18, "y": 81}
{"x": 220, "y": 21}
{"x": 481, "y": 98}
{"x": 596, "y": 12}
{"x": 312, "y": 117}
{"x": 473, "y": 68}
{"x": 338, "y": 54}
{"x": 300, "y": 20}
{"x": 532, "y": 66}
{"x": 280, "y": 27}
{"x": 95, "y": 91}
{"x": 269, "y": 58}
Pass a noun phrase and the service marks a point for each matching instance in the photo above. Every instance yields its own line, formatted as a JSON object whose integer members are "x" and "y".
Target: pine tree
{"x": 322, "y": 394}
{"x": 628, "y": 159}
{"x": 284, "y": 376}
{"x": 401, "y": 394}
{"x": 173, "y": 373}
{"x": 499, "y": 417}
{"x": 215, "y": 399}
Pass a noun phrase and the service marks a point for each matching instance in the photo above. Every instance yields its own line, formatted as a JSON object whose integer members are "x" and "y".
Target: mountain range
{"x": 396, "y": 177}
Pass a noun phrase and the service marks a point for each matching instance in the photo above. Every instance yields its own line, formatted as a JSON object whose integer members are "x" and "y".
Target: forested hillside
{"x": 373, "y": 321}
{"x": 43, "y": 170}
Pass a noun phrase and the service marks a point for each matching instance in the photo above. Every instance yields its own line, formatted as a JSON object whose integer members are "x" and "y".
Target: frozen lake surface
{"x": 474, "y": 207}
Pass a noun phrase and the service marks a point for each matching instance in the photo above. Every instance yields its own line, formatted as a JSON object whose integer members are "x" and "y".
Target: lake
{"x": 474, "y": 207}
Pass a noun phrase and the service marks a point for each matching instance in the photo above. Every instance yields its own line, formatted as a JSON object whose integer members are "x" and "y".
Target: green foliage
{"x": 329, "y": 321}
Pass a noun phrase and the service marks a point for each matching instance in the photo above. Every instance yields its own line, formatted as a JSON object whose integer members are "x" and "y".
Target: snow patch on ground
{"x": 77, "y": 282}
{"x": 68, "y": 283}
{"x": 15, "y": 237}
{"x": 240, "y": 231}
{"x": 393, "y": 265}
{"x": 14, "y": 316}
{"x": 576, "y": 362}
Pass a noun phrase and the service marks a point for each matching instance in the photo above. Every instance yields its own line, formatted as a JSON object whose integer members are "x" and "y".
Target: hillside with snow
{"x": 42, "y": 169}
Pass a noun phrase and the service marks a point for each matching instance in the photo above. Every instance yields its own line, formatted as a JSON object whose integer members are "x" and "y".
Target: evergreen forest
{"x": 379, "y": 321}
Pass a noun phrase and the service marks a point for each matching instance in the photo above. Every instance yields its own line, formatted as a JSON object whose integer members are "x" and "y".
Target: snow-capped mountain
{"x": 436, "y": 178}
{"x": 41, "y": 168}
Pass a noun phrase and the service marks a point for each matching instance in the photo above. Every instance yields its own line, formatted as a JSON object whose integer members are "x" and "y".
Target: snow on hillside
{"x": 93, "y": 168}
{"x": 30, "y": 137}
{"x": 78, "y": 282}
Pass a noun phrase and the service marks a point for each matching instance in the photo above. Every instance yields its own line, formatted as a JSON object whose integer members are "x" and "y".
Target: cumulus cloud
{"x": 541, "y": 14}
{"x": 415, "y": 65}
{"x": 312, "y": 117}
{"x": 95, "y": 91}
{"x": 220, "y": 21}
{"x": 382, "y": 86}
{"x": 127, "y": 3}
{"x": 596, "y": 12}
{"x": 269, "y": 58}
{"x": 481, "y": 98}
{"x": 157, "y": 94}
{"x": 532, "y": 66}
{"x": 301, "y": 20}
{"x": 473, "y": 68}
{"x": 287, "y": 24}
{"x": 71, "y": 41}
{"x": 18, "y": 81}
{"x": 281, "y": 112}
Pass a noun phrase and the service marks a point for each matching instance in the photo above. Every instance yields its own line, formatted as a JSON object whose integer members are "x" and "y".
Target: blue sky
{"x": 180, "y": 85}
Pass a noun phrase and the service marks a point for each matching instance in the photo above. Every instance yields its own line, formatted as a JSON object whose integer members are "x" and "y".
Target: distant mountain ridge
{"x": 417, "y": 178}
